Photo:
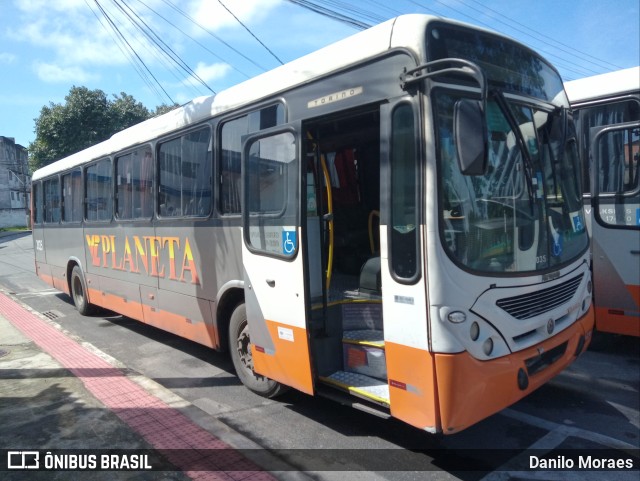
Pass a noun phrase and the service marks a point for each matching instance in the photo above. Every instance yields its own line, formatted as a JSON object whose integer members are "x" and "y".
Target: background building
{"x": 15, "y": 184}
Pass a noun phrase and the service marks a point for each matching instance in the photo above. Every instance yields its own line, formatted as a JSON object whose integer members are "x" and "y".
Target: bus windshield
{"x": 524, "y": 214}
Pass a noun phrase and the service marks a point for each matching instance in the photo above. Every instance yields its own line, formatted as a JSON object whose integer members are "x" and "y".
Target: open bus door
{"x": 274, "y": 284}
{"x": 410, "y": 364}
{"x": 615, "y": 229}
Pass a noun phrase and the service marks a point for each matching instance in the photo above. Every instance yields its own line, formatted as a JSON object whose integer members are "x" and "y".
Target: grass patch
{"x": 17, "y": 228}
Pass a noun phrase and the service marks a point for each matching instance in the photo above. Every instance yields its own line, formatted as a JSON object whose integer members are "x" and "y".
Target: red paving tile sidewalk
{"x": 162, "y": 426}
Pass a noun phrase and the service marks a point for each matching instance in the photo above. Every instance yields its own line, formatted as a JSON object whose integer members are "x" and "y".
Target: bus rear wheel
{"x": 240, "y": 348}
{"x": 79, "y": 293}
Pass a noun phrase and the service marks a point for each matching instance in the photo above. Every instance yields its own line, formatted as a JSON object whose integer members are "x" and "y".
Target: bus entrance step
{"x": 363, "y": 353}
{"x": 364, "y": 337}
{"x": 360, "y": 385}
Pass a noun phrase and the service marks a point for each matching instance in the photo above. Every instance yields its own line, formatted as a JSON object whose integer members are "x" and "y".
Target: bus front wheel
{"x": 240, "y": 348}
{"x": 79, "y": 292}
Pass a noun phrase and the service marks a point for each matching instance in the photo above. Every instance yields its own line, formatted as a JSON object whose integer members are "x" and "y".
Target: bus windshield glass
{"x": 524, "y": 214}
{"x": 508, "y": 66}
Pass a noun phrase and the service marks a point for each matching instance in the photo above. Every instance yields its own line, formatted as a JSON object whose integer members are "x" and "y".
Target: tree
{"x": 163, "y": 109}
{"x": 86, "y": 118}
{"x": 125, "y": 111}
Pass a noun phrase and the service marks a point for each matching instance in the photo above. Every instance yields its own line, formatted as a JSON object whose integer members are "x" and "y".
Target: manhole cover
{"x": 3, "y": 352}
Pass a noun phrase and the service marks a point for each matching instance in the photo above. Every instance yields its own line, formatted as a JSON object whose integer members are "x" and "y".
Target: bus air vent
{"x": 546, "y": 359}
{"x": 527, "y": 306}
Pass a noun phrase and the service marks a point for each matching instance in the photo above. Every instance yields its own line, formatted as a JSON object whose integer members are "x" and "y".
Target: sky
{"x": 49, "y": 46}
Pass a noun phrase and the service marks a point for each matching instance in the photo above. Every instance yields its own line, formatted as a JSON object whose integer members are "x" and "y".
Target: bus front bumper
{"x": 470, "y": 390}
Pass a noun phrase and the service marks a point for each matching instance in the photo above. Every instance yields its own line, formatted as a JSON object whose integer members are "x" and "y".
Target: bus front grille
{"x": 527, "y": 306}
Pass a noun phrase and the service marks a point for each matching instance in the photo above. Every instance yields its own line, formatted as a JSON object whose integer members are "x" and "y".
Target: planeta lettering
{"x": 155, "y": 256}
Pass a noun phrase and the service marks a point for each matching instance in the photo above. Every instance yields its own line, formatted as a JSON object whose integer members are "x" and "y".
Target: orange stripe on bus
{"x": 617, "y": 322}
{"x": 46, "y": 278}
{"x": 291, "y": 364}
{"x": 411, "y": 385}
{"x": 199, "y": 332}
{"x": 635, "y": 293}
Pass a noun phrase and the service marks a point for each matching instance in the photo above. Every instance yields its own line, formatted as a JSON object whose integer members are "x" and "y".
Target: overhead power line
{"x": 192, "y": 20}
{"x": 250, "y": 32}
{"x": 160, "y": 44}
{"x": 128, "y": 55}
{"x": 328, "y": 12}
{"x": 124, "y": 17}
{"x": 200, "y": 44}
{"x": 130, "y": 48}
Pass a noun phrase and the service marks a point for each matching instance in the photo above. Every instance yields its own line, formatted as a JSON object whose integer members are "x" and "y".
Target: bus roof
{"x": 604, "y": 85}
{"x": 343, "y": 53}
{"x": 394, "y": 33}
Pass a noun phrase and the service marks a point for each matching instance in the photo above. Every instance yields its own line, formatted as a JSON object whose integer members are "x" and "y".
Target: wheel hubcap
{"x": 244, "y": 348}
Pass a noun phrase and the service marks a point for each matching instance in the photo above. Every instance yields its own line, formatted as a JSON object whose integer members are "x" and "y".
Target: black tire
{"x": 79, "y": 293}
{"x": 239, "y": 346}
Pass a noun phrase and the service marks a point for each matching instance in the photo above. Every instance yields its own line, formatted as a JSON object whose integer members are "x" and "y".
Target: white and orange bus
{"x": 607, "y": 117}
{"x": 394, "y": 221}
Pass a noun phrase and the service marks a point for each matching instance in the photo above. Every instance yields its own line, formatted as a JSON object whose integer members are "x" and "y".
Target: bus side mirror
{"x": 470, "y": 133}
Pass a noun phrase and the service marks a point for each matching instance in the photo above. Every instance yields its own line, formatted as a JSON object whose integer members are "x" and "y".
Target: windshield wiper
{"x": 515, "y": 128}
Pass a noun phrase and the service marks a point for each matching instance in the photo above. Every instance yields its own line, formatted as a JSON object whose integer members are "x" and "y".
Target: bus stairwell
{"x": 343, "y": 199}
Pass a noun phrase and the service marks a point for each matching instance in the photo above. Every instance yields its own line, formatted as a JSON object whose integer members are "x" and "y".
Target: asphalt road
{"x": 594, "y": 405}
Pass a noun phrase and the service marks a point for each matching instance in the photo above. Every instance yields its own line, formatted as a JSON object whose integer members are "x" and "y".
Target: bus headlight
{"x": 474, "y": 332}
{"x": 487, "y": 346}
{"x": 456, "y": 317}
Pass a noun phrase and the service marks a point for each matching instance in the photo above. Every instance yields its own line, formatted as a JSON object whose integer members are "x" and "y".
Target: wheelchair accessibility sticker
{"x": 577, "y": 223}
{"x": 289, "y": 242}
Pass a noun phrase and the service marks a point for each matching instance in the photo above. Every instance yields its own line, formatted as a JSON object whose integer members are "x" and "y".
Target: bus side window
{"x": 170, "y": 162}
{"x": 229, "y": 156}
{"x": 196, "y": 173}
{"x": 185, "y": 175}
{"x": 72, "y": 196}
{"x": 618, "y": 162}
{"x": 229, "y": 164}
{"x": 52, "y": 201}
{"x": 124, "y": 186}
{"x": 99, "y": 204}
{"x": 37, "y": 203}
{"x": 134, "y": 180}
{"x": 598, "y": 116}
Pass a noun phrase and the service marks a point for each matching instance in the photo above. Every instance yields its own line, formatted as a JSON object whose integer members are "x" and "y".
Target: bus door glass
{"x": 272, "y": 257}
{"x": 616, "y": 227}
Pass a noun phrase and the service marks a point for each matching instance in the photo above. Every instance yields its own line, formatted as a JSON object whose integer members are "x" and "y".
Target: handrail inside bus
{"x": 329, "y": 217}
